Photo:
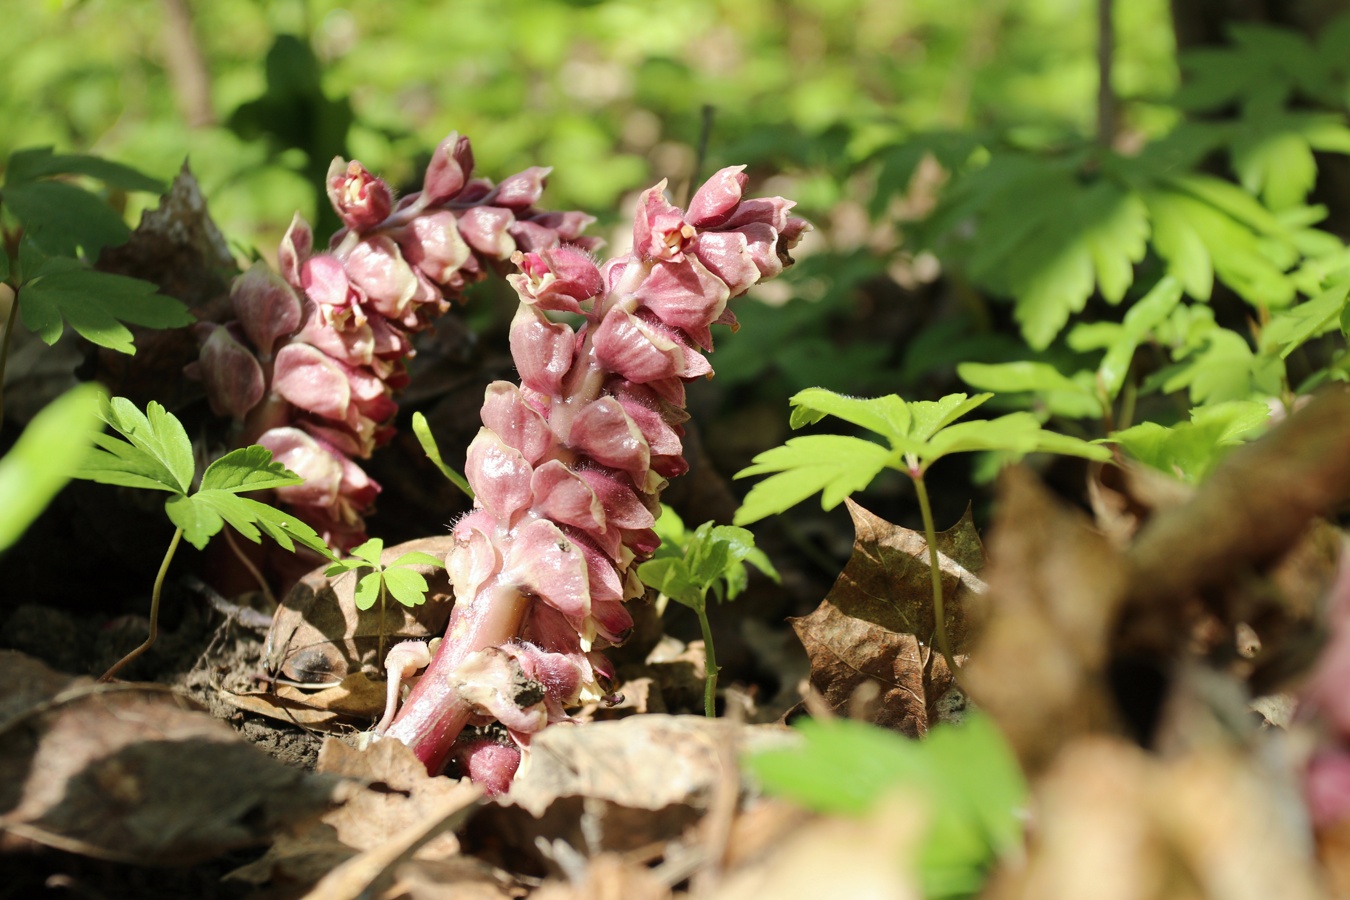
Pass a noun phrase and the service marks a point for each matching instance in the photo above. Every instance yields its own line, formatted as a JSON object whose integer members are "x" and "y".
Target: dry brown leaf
{"x": 1113, "y": 823}
{"x": 837, "y": 857}
{"x": 356, "y": 701}
{"x": 126, "y": 772}
{"x": 318, "y": 634}
{"x": 1055, "y": 588}
{"x": 619, "y": 785}
{"x": 398, "y": 795}
{"x": 876, "y": 625}
{"x": 1125, "y": 494}
{"x": 608, "y": 876}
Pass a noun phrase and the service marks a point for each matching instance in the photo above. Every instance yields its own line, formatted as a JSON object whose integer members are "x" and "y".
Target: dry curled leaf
{"x": 396, "y": 797}
{"x": 127, "y": 772}
{"x": 876, "y": 626}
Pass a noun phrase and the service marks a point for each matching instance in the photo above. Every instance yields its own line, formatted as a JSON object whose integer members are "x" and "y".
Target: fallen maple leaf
{"x": 876, "y": 625}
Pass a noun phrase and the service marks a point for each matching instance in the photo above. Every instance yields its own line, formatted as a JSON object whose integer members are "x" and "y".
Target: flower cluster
{"x": 310, "y": 363}
{"x": 568, "y": 466}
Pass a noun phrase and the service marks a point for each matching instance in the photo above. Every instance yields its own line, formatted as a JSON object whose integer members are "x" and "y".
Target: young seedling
{"x": 688, "y": 565}
{"x": 153, "y": 452}
{"x": 433, "y": 452}
{"x": 917, "y": 434}
{"x": 407, "y": 586}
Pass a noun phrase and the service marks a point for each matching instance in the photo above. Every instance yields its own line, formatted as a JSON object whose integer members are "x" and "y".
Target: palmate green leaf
{"x": 1189, "y": 450}
{"x": 834, "y": 465}
{"x": 1218, "y": 365}
{"x": 64, "y": 219}
{"x": 154, "y": 453}
{"x": 418, "y": 558}
{"x": 205, "y": 510}
{"x": 884, "y": 415}
{"x": 44, "y": 458}
{"x": 247, "y": 469}
{"x": 370, "y": 551}
{"x": 1061, "y": 395}
{"x": 31, "y": 163}
{"x": 1016, "y": 434}
{"x": 96, "y": 304}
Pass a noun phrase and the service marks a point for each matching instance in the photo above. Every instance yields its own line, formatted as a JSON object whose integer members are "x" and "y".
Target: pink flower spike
{"x": 433, "y": 244}
{"x": 542, "y": 349}
{"x": 360, "y": 199}
{"x": 659, "y": 230}
{"x": 487, "y": 230}
{"x": 507, "y": 412}
{"x": 543, "y": 563}
{"x": 718, "y": 198}
{"x": 685, "y": 296}
{"x": 499, "y": 476}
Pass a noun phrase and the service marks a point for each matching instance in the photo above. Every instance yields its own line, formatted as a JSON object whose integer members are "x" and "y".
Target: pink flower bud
{"x": 313, "y": 381}
{"x": 489, "y": 763}
{"x": 558, "y": 278}
{"x": 487, "y": 229}
{"x": 543, "y": 563}
{"x": 605, "y": 433}
{"x": 361, "y": 200}
{"x": 451, "y": 163}
{"x": 523, "y": 189}
{"x": 266, "y": 306}
{"x": 499, "y": 476}
{"x": 685, "y": 295}
{"x": 306, "y": 457}
{"x": 296, "y": 246}
{"x": 325, "y": 281}
{"x": 718, "y": 198}
{"x": 542, "y": 349}
{"x": 507, "y": 413}
{"x": 233, "y": 379}
{"x": 377, "y": 269}
{"x": 433, "y": 244}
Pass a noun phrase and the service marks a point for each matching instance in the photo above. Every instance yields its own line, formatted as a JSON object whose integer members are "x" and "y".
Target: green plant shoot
{"x": 967, "y": 774}
{"x": 688, "y": 565}
{"x": 407, "y": 585}
{"x": 433, "y": 452}
{"x": 917, "y": 434}
{"x": 153, "y": 452}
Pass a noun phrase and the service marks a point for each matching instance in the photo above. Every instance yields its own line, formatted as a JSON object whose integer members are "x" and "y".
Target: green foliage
{"x": 1189, "y": 450}
{"x": 917, "y": 434}
{"x": 44, "y": 458}
{"x": 63, "y": 228}
{"x": 153, "y": 452}
{"x": 407, "y": 586}
{"x": 688, "y": 564}
{"x": 967, "y": 775}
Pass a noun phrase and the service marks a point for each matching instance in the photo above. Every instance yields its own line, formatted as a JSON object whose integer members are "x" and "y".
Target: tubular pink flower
{"x": 569, "y": 467}
{"x": 319, "y": 350}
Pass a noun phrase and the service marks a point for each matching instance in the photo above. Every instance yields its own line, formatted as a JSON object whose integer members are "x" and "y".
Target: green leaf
{"x": 370, "y": 551}
{"x": 1190, "y": 450}
{"x": 418, "y": 558}
{"x": 833, "y": 464}
{"x": 4, "y": 264}
{"x": 64, "y": 219}
{"x": 1017, "y": 433}
{"x": 1292, "y": 328}
{"x": 95, "y": 304}
{"x": 247, "y": 469}
{"x": 968, "y": 775}
{"x": 407, "y": 586}
{"x": 46, "y": 456}
{"x": 424, "y": 437}
{"x": 155, "y": 452}
{"x": 253, "y": 518}
{"x": 1139, "y": 322}
{"x": 367, "y": 591}
{"x": 670, "y": 576}
{"x": 198, "y": 516}
{"x": 32, "y": 163}
{"x": 1061, "y": 394}
{"x": 884, "y": 415}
